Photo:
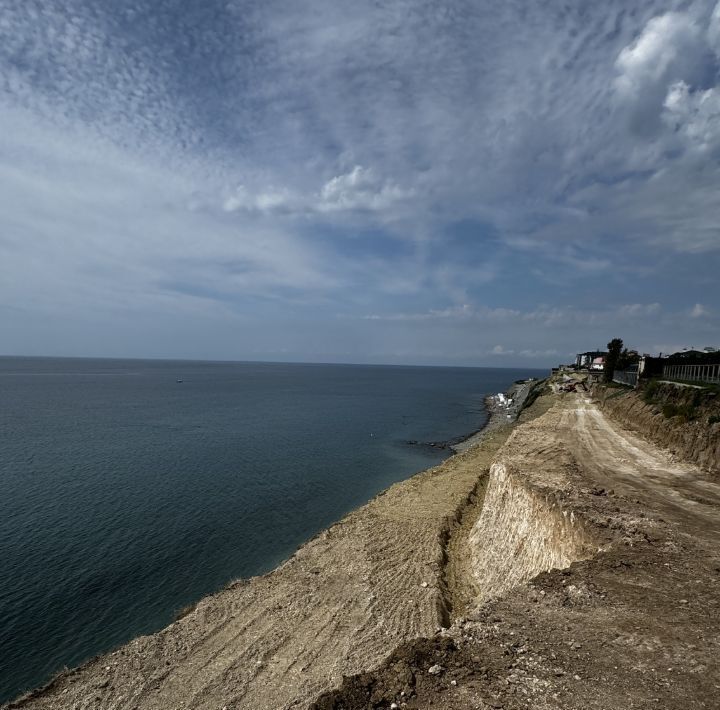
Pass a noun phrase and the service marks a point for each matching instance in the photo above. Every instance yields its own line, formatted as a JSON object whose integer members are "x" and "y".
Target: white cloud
{"x": 632, "y": 310}
{"x": 714, "y": 29}
{"x": 667, "y": 49}
{"x": 360, "y": 189}
{"x": 663, "y": 78}
{"x": 694, "y": 115}
{"x": 270, "y": 200}
{"x": 672, "y": 50}
{"x": 500, "y": 350}
{"x": 698, "y": 311}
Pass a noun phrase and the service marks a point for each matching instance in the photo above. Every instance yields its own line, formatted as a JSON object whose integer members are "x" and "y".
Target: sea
{"x": 130, "y": 489}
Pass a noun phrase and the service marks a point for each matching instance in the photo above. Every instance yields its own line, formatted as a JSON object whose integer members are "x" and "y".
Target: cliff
{"x": 595, "y": 564}
{"x": 683, "y": 419}
{"x": 566, "y": 563}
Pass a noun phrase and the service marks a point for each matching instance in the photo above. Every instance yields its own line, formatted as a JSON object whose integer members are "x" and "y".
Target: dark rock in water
{"x": 442, "y": 445}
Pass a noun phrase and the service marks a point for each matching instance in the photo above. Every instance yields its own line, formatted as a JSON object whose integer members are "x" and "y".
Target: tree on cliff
{"x": 615, "y": 347}
{"x": 627, "y": 358}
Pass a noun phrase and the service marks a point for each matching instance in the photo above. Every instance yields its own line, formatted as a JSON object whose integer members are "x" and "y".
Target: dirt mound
{"x": 420, "y": 668}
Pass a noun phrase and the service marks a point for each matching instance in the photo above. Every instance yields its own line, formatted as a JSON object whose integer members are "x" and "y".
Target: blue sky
{"x": 471, "y": 183}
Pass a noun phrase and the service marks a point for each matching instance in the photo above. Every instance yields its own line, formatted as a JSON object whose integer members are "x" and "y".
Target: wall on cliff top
{"x": 684, "y": 420}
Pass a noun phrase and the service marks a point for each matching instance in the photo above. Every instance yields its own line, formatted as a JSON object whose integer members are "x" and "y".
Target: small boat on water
{"x": 178, "y": 381}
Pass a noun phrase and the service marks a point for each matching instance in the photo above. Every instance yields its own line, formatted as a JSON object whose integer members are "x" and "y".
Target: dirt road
{"x": 617, "y": 458}
{"x": 632, "y": 622}
{"x": 634, "y": 625}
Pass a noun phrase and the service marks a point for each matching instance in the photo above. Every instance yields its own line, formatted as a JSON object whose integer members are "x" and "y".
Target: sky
{"x": 418, "y": 182}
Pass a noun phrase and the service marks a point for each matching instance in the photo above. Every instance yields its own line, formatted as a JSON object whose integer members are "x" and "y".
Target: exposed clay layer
{"x": 637, "y": 625}
{"x": 521, "y": 532}
{"x": 339, "y": 605}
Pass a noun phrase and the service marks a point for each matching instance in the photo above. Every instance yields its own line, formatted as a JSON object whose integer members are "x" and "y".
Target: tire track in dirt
{"x": 340, "y": 604}
{"x": 619, "y": 459}
{"x": 632, "y": 621}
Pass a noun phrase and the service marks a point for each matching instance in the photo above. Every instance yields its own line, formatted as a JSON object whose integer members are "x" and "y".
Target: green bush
{"x": 686, "y": 412}
{"x": 714, "y": 419}
{"x": 650, "y": 391}
{"x": 669, "y": 410}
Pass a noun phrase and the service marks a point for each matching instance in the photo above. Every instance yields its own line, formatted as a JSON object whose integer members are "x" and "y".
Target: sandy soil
{"x": 341, "y": 604}
{"x": 632, "y": 622}
{"x": 635, "y": 625}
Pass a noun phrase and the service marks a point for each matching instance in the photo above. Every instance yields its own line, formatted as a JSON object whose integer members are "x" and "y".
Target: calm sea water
{"x": 127, "y": 495}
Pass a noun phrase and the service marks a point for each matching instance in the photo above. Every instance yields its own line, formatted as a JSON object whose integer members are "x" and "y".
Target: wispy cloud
{"x": 279, "y": 163}
{"x": 638, "y": 309}
{"x": 545, "y": 315}
{"x": 360, "y": 189}
{"x": 698, "y": 311}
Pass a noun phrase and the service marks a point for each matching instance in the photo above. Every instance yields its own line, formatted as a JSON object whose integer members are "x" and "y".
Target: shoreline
{"x": 365, "y": 545}
{"x": 342, "y": 600}
{"x": 556, "y": 563}
{"x": 307, "y": 466}
{"x": 499, "y": 413}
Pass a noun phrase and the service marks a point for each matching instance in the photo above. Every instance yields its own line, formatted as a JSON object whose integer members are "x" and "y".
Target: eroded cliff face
{"x": 695, "y": 439}
{"x": 621, "y": 531}
{"x": 521, "y": 532}
{"x": 630, "y": 617}
{"x": 340, "y": 604}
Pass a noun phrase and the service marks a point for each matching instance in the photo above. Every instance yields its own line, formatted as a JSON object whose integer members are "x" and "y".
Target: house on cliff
{"x": 591, "y": 360}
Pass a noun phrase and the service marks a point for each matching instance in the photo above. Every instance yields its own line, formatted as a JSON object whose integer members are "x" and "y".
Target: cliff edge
{"x": 563, "y": 563}
{"x": 628, "y": 618}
